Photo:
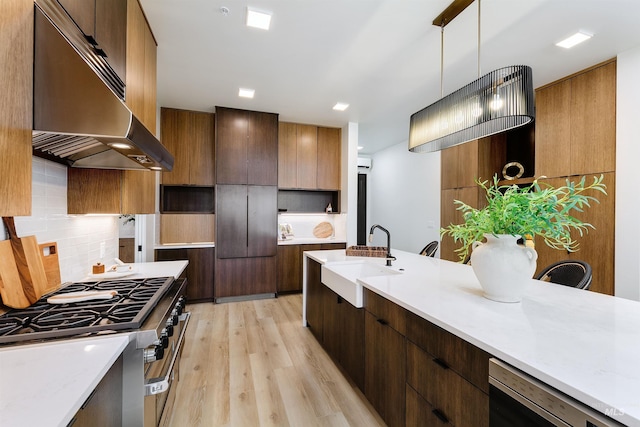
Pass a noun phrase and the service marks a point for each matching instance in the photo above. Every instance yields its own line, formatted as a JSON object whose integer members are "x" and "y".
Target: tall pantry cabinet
{"x": 575, "y": 137}
{"x": 246, "y": 202}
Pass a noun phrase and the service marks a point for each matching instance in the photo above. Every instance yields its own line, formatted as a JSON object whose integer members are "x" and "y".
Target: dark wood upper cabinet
{"x": 106, "y": 22}
{"x": 246, "y": 147}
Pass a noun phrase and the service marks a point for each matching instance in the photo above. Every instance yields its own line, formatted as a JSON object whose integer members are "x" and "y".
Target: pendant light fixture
{"x": 494, "y": 103}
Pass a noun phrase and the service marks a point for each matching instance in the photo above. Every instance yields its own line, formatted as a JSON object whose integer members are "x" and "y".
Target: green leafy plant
{"x": 534, "y": 210}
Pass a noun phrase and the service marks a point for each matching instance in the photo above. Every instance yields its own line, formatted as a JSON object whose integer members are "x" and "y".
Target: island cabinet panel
{"x": 450, "y": 374}
{"x": 189, "y": 136}
{"x": 199, "y": 272}
{"x": 316, "y": 292}
{"x": 343, "y": 335}
{"x": 385, "y": 358}
{"x": 420, "y": 413}
{"x": 16, "y": 108}
{"x": 452, "y": 397}
{"x": 246, "y": 147}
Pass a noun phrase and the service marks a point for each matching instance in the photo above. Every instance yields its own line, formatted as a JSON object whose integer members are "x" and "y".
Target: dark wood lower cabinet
{"x": 419, "y": 413}
{"x": 290, "y": 258}
{"x": 316, "y": 292}
{"x": 199, "y": 273}
{"x": 385, "y": 369}
{"x": 245, "y": 276}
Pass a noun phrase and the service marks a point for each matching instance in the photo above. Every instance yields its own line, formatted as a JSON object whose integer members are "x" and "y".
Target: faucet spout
{"x": 389, "y": 256}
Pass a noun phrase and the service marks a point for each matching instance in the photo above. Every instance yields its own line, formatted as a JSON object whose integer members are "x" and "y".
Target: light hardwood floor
{"x": 253, "y": 364}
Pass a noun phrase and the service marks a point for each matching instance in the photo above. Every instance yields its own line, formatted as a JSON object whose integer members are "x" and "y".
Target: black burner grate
{"x": 135, "y": 300}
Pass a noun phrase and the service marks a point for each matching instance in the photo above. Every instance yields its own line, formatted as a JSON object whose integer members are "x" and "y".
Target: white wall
{"x": 404, "y": 197}
{"x": 78, "y": 237}
{"x": 627, "y": 243}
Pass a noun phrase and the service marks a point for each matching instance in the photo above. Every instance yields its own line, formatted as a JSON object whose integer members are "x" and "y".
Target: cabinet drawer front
{"x": 386, "y": 312}
{"x": 455, "y": 398}
{"x": 464, "y": 358}
{"x": 420, "y": 413}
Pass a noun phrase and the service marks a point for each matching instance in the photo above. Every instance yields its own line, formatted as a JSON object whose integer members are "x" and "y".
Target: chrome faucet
{"x": 389, "y": 256}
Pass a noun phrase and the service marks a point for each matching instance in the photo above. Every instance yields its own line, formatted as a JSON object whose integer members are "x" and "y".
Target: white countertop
{"x": 56, "y": 377}
{"x": 582, "y": 343}
{"x": 45, "y": 384}
{"x": 144, "y": 270}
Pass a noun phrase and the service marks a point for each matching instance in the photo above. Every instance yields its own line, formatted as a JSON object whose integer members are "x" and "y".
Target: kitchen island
{"x": 584, "y": 344}
{"x": 46, "y": 383}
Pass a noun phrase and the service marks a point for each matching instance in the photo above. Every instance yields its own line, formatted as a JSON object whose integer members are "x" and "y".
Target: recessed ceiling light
{"x": 246, "y": 93}
{"x": 258, "y": 19}
{"x": 575, "y": 39}
{"x": 340, "y": 106}
{"x": 360, "y": 147}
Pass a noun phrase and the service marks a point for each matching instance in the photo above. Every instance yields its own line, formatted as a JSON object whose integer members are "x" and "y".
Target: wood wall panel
{"x": 307, "y": 157}
{"x": 93, "y": 191}
{"x": 138, "y": 192}
{"x": 593, "y": 124}
{"x": 187, "y": 228}
{"x": 135, "y": 66}
{"x": 553, "y": 130}
{"x": 329, "y": 158}
{"x": 287, "y": 155}
{"x": 16, "y": 108}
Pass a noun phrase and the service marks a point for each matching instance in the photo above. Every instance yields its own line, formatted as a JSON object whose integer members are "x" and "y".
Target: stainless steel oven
{"x": 151, "y": 311}
{"x": 518, "y": 399}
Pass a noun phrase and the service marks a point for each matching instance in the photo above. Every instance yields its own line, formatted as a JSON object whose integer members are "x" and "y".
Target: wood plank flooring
{"x": 252, "y": 363}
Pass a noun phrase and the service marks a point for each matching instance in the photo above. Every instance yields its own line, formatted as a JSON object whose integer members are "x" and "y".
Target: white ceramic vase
{"x": 503, "y": 267}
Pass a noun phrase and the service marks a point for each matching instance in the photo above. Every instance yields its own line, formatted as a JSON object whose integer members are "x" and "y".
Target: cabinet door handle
{"x": 441, "y": 363}
{"x": 440, "y": 415}
{"x": 382, "y": 322}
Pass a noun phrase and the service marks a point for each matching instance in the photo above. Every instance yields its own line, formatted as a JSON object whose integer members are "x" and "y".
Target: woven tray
{"x": 370, "y": 251}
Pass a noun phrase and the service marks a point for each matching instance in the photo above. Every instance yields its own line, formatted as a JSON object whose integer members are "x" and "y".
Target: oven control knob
{"x": 182, "y": 302}
{"x": 178, "y": 308}
{"x": 153, "y": 354}
{"x": 164, "y": 338}
{"x": 169, "y": 328}
{"x": 174, "y": 317}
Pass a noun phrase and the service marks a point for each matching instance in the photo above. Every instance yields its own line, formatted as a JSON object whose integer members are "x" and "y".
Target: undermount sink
{"x": 342, "y": 278}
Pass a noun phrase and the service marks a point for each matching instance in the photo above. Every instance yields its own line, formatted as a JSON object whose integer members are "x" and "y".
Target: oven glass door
{"x": 504, "y": 411}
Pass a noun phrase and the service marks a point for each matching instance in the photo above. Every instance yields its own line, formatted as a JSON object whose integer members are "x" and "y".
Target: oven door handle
{"x": 161, "y": 385}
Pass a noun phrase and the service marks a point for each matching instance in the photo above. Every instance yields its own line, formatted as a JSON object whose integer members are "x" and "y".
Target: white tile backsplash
{"x": 78, "y": 237}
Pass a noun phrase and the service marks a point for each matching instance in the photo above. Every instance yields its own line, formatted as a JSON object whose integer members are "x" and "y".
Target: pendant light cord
{"x": 478, "y": 38}
{"x": 441, "y": 59}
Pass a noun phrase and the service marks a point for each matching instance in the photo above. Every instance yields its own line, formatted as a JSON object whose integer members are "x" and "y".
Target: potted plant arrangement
{"x": 501, "y": 266}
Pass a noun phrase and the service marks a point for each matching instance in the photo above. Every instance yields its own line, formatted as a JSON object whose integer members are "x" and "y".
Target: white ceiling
{"x": 380, "y": 56}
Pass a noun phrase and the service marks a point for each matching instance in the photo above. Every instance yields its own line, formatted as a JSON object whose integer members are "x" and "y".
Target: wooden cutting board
{"x": 323, "y": 230}
{"x": 49, "y": 253}
{"x": 10, "y": 284}
{"x": 29, "y": 269}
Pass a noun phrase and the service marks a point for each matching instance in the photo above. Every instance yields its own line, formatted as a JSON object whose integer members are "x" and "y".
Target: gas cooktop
{"x": 128, "y": 310}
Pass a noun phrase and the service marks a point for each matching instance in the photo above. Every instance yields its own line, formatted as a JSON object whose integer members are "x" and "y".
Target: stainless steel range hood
{"x": 79, "y": 116}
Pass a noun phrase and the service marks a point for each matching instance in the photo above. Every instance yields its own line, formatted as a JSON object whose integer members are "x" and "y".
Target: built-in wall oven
{"x": 518, "y": 399}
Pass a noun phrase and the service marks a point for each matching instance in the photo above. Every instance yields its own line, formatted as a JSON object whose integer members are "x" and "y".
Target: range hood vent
{"x": 79, "y": 116}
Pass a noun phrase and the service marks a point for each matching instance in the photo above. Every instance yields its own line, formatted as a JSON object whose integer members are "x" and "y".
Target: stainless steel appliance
{"x": 150, "y": 310}
{"x": 79, "y": 116}
{"x": 518, "y": 399}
